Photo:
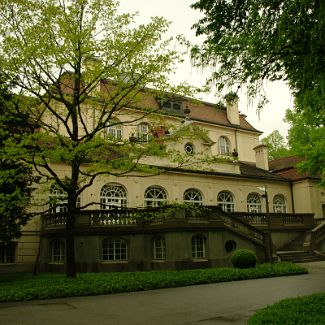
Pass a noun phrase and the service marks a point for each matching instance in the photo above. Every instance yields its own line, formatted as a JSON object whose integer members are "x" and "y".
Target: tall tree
{"x": 249, "y": 41}
{"x": 85, "y": 64}
{"x": 306, "y": 139}
{"x": 276, "y": 144}
{"x": 15, "y": 176}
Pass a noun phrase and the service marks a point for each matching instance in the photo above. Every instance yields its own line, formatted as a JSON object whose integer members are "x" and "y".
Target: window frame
{"x": 108, "y": 202}
{"x": 192, "y": 194}
{"x": 57, "y": 251}
{"x": 224, "y": 146}
{"x": 172, "y": 105}
{"x": 198, "y": 246}
{"x": 8, "y": 253}
{"x": 143, "y": 135}
{"x": 279, "y": 207}
{"x": 114, "y": 130}
{"x": 155, "y": 201}
{"x": 119, "y": 253}
{"x": 226, "y": 205}
{"x": 189, "y": 148}
{"x": 58, "y": 200}
{"x": 159, "y": 247}
{"x": 254, "y": 207}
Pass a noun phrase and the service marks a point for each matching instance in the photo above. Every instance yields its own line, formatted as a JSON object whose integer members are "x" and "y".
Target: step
{"x": 299, "y": 256}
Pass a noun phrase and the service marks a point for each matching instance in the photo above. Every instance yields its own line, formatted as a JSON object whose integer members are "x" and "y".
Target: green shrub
{"x": 243, "y": 259}
{"x": 292, "y": 311}
{"x": 17, "y": 287}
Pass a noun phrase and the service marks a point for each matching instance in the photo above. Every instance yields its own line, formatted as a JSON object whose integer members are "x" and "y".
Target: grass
{"x": 18, "y": 287}
{"x": 293, "y": 311}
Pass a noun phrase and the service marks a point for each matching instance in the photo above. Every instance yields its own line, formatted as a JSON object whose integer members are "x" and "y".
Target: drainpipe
{"x": 292, "y": 200}
{"x": 236, "y": 142}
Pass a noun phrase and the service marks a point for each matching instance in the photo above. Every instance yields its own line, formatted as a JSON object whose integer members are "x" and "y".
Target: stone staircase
{"x": 296, "y": 244}
{"x": 293, "y": 252}
{"x": 300, "y": 256}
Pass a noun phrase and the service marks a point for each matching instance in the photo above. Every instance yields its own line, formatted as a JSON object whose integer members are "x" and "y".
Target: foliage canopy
{"x": 83, "y": 64}
{"x": 251, "y": 41}
{"x": 15, "y": 176}
{"x": 277, "y": 147}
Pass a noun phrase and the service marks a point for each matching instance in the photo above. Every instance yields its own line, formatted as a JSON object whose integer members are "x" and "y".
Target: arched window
{"x": 143, "y": 132}
{"x": 159, "y": 248}
{"x": 114, "y": 130}
{"x": 254, "y": 203}
{"x": 192, "y": 196}
{"x": 154, "y": 196}
{"x": 57, "y": 251}
{"x": 7, "y": 253}
{"x": 226, "y": 201}
{"x": 224, "y": 145}
{"x": 198, "y": 246}
{"x": 114, "y": 249}
{"x": 58, "y": 200}
{"x": 279, "y": 204}
{"x": 113, "y": 196}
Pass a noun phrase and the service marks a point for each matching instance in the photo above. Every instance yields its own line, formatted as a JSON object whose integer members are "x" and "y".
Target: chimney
{"x": 232, "y": 108}
{"x": 261, "y": 156}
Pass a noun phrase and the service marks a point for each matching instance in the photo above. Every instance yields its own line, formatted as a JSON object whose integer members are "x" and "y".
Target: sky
{"x": 182, "y": 17}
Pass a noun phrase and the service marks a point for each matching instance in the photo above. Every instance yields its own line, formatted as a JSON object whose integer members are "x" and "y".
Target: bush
{"x": 243, "y": 259}
{"x": 20, "y": 286}
{"x": 301, "y": 310}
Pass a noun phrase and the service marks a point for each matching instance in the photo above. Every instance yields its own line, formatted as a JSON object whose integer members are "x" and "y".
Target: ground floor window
{"x": 57, "y": 251}
{"x": 114, "y": 249}
{"x": 7, "y": 253}
{"x": 198, "y": 246}
{"x": 159, "y": 248}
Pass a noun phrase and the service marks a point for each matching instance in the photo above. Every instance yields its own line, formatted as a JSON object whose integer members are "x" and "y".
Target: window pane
{"x": 192, "y": 196}
{"x": 279, "y": 204}
{"x": 113, "y": 196}
{"x": 198, "y": 247}
{"x": 154, "y": 196}
{"x": 7, "y": 253}
{"x": 143, "y": 133}
{"x": 254, "y": 203}
{"x": 224, "y": 146}
{"x": 159, "y": 248}
{"x": 114, "y": 250}
{"x": 226, "y": 201}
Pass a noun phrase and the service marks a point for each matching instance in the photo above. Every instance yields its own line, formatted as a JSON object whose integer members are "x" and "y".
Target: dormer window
{"x": 172, "y": 106}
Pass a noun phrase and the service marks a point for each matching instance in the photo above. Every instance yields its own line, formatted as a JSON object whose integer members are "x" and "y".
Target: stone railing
{"x": 277, "y": 220}
{"x": 250, "y": 224}
{"x": 242, "y": 227}
{"x": 314, "y": 237}
{"x": 319, "y": 221}
{"x": 53, "y": 220}
{"x": 113, "y": 217}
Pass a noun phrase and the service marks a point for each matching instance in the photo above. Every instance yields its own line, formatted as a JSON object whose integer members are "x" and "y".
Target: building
{"x": 242, "y": 200}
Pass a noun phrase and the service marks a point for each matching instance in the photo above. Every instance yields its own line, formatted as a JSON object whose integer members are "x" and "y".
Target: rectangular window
{"x": 143, "y": 133}
{"x": 7, "y": 253}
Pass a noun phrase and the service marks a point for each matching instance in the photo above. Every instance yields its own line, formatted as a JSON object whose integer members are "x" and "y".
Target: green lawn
{"x": 293, "y": 311}
{"x": 18, "y": 287}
